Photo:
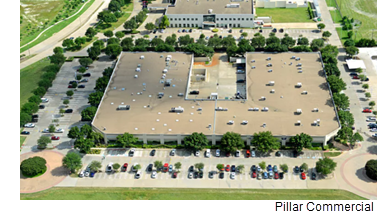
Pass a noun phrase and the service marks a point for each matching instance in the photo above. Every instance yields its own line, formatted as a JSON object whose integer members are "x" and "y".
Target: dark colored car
{"x": 274, "y": 30}
{"x": 233, "y": 168}
{"x": 301, "y": 169}
{"x": 150, "y": 167}
{"x": 278, "y": 154}
{"x": 84, "y": 80}
{"x": 353, "y": 74}
{"x": 355, "y": 77}
{"x": 190, "y": 30}
{"x": 153, "y": 152}
{"x": 227, "y": 154}
{"x": 55, "y": 138}
{"x": 124, "y": 167}
{"x": 195, "y": 92}
{"x": 70, "y": 86}
{"x": 269, "y": 168}
{"x": 183, "y": 30}
{"x": 297, "y": 169}
{"x": 200, "y": 174}
{"x": 175, "y": 174}
{"x": 42, "y": 106}
{"x": 25, "y": 133}
{"x": 68, "y": 110}
{"x": 220, "y": 37}
{"x": 261, "y": 31}
{"x": 253, "y": 168}
{"x": 241, "y": 31}
{"x": 86, "y": 75}
{"x": 281, "y": 175}
{"x": 191, "y": 169}
{"x": 92, "y": 174}
{"x": 71, "y": 82}
{"x": 230, "y": 31}
{"x": 196, "y": 175}
{"x": 314, "y": 176}
{"x": 210, "y": 175}
{"x": 281, "y": 30}
{"x": 155, "y": 36}
{"x": 81, "y": 86}
{"x": 154, "y": 31}
{"x": 295, "y": 154}
{"x": 221, "y": 175}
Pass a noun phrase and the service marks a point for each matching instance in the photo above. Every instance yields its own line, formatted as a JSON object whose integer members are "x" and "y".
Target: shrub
{"x": 215, "y": 30}
{"x": 371, "y": 169}
{"x": 34, "y": 166}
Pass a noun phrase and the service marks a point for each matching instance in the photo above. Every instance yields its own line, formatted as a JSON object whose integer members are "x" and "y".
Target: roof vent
{"x": 271, "y": 83}
{"x": 230, "y": 122}
{"x": 136, "y": 128}
{"x": 152, "y": 129}
{"x": 298, "y": 85}
{"x": 165, "y": 124}
{"x": 263, "y": 98}
{"x": 272, "y": 91}
{"x": 157, "y": 120}
{"x": 298, "y": 111}
{"x": 304, "y": 93}
{"x": 298, "y": 123}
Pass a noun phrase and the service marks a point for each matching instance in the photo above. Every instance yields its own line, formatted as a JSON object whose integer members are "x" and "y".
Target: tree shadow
{"x": 329, "y": 102}
{"x": 64, "y": 145}
{"x": 360, "y": 173}
{"x": 323, "y": 86}
{"x": 60, "y": 171}
{"x": 372, "y": 149}
{"x": 321, "y": 73}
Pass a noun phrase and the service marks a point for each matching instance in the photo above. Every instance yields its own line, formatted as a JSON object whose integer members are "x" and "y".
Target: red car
{"x": 228, "y": 154}
{"x": 276, "y": 176}
{"x": 247, "y": 153}
{"x": 175, "y": 175}
{"x": 55, "y": 138}
{"x": 367, "y": 110}
{"x": 303, "y": 175}
{"x": 166, "y": 167}
{"x": 124, "y": 168}
{"x": 70, "y": 86}
{"x": 254, "y": 174}
{"x": 227, "y": 168}
{"x": 355, "y": 77}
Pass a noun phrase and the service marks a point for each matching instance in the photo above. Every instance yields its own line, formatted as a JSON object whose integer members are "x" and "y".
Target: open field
{"x": 336, "y": 17}
{"x": 67, "y": 193}
{"x": 362, "y": 10}
{"x": 53, "y": 29}
{"x": 279, "y": 15}
{"x": 342, "y": 34}
{"x": 29, "y": 78}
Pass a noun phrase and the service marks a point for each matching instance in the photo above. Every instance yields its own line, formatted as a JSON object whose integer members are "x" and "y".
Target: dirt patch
{"x": 215, "y": 62}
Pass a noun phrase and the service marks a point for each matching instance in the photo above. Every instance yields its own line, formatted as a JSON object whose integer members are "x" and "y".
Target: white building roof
{"x": 354, "y": 64}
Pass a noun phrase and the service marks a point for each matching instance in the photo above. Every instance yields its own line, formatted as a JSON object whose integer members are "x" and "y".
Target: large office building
{"x": 167, "y": 96}
{"x": 208, "y": 13}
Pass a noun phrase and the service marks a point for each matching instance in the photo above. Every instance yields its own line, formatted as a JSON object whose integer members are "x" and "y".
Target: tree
{"x": 90, "y": 32}
{"x": 220, "y": 166}
{"x": 326, "y": 34}
{"x": 113, "y": 50}
{"x": 58, "y": 58}
{"x": 108, "y": 17}
{"x": 244, "y": 46}
{"x": 126, "y": 139}
{"x": 265, "y": 141}
{"x": 80, "y": 41}
{"x": 341, "y": 101}
{"x": 35, "y": 99}
{"x": 170, "y": 40}
{"x": 349, "y": 43}
{"x": 84, "y": 144}
{"x": 228, "y": 41}
{"x": 85, "y": 61}
{"x": 114, "y": 6}
{"x": 352, "y": 50}
{"x": 201, "y": 41}
{"x": 367, "y": 95}
{"x": 108, "y": 33}
{"x": 244, "y": 34}
{"x": 304, "y": 167}
{"x": 178, "y": 165}
{"x": 231, "y": 51}
{"x": 195, "y": 141}
{"x": 58, "y": 50}
{"x": 156, "y": 41}
{"x": 107, "y": 72}
{"x": 262, "y": 165}
{"x": 332, "y": 69}
{"x": 214, "y": 42}
{"x": 344, "y": 133}
{"x": 346, "y": 118}
{"x": 51, "y": 128}
{"x": 74, "y": 84}
{"x": 325, "y": 166}
{"x": 95, "y": 166}
{"x": 185, "y": 40}
{"x": 74, "y": 132}
{"x": 371, "y": 169}
{"x": 29, "y": 108}
{"x": 33, "y": 166}
{"x": 67, "y": 43}
{"x": 116, "y": 166}
{"x": 61, "y": 111}
{"x": 230, "y": 142}
{"x": 101, "y": 83}
{"x": 150, "y": 26}
{"x": 137, "y": 167}
{"x": 158, "y": 164}
{"x": 321, "y": 26}
{"x": 45, "y": 83}
{"x": 240, "y": 168}
{"x": 164, "y": 48}
{"x": 300, "y": 141}
{"x": 288, "y": 41}
{"x": 302, "y": 41}
{"x": 365, "y": 86}
{"x": 113, "y": 41}
{"x": 43, "y": 141}
{"x": 301, "y": 48}
{"x": 119, "y": 34}
{"x": 336, "y": 84}
{"x": 40, "y": 91}
{"x": 272, "y": 40}
{"x": 317, "y": 44}
{"x": 49, "y": 76}
{"x": 199, "y": 165}
{"x": 95, "y": 98}
{"x": 69, "y": 93}
{"x": 72, "y": 161}
{"x": 284, "y": 167}
{"x": 372, "y": 104}
{"x": 129, "y": 25}
{"x": 127, "y": 44}
{"x": 99, "y": 43}
{"x": 24, "y": 118}
{"x": 164, "y": 22}
{"x": 94, "y": 52}
{"x": 86, "y": 131}
{"x": 88, "y": 113}
{"x": 330, "y": 50}
{"x": 350, "y": 34}
{"x": 355, "y": 137}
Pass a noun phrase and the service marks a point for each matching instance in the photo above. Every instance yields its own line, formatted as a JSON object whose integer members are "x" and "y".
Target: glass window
{"x": 176, "y": 19}
{"x": 196, "y": 25}
{"x": 247, "y": 19}
{"x": 217, "y": 19}
{"x": 192, "y": 25}
{"x": 238, "y": 19}
{"x": 226, "y": 19}
{"x": 184, "y": 19}
{"x": 242, "y": 19}
{"x": 234, "y": 19}
{"x": 196, "y": 19}
{"x": 192, "y": 19}
{"x": 179, "y": 19}
{"x": 239, "y": 25}
{"x": 176, "y": 25}
{"x": 222, "y": 19}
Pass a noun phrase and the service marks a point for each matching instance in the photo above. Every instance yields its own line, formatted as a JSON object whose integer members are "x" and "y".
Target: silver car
{"x": 154, "y": 174}
{"x": 190, "y": 175}
{"x": 197, "y": 153}
{"x": 253, "y": 153}
{"x": 232, "y": 175}
{"x": 137, "y": 175}
{"x": 217, "y": 152}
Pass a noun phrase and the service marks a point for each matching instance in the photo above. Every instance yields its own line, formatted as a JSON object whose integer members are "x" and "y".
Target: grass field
{"x": 332, "y": 154}
{"x": 336, "y": 17}
{"x": 29, "y": 78}
{"x": 53, "y": 29}
{"x": 342, "y": 34}
{"x": 279, "y": 15}
{"x": 66, "y": 193}
{"x": 362, "y": 10}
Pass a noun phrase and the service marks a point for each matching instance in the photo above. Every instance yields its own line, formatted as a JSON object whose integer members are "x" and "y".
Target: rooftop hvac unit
{"x": 200, "y": 109}
{"x": 177, "y": 109}
{"x": 265, "y": 109}
{"x": 269, "y": 65}
{"x": 165, "y": 71}
{"x": 299, "y": 64}
{"x": 138, "y": 65}
{"x": 230, "y": 122}
{"x": 138, "y": 69}
{"x": 160, "y": 95}
{"x": 253, "y": 67}
{"x": 163, "y": 76}
{"x": 244, "y": 122}
{"x": 298, "y": 123}
{"x": 252, "y": 61}
{"x": 263, "y": 98}
{"x": 269, "y": 58}
{"x": 250, "y": 109}
{"x": 210, "y": 11}
{"x": 298, "y": 111}
{"x": 318, "y": 121}
{"x": 315, "y": 110}
{"x": 256, "y": 109}
{"x": 135, "y": 76}
{"x": 270, "y": 70}
{"x": 298, "y": 85}
{"x": 272, "y": 91}
{"x": 298, "y": 58}
{"x": 142, "y": 57}
{"x": 293, "y": 57}
{"x": 271, "y": 83}
{"x": 123, "y": 107}
{"x": 233, "y": 5}
{"x": 300, "y": 71}
{"x": 304, "y": 93}
{"x": 180, "y": 94}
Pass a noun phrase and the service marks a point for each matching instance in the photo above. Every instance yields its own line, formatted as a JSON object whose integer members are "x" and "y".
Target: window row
{"x": 217, "y": 19}
{"x": 184, "y": 19}
{"x": 196, "y": 25}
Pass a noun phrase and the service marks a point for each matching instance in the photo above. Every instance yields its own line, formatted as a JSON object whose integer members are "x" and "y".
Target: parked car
{"x": 276, "y": 175}
{"x": 29, "y": 125}
{"x": 154, "y": 174}
{"x": 86, "y": 75}
{"x": 248, "y": 153}
{"x": 166, "y": 167}
{"x": 237, "y": 153}
{"x": 175, "y": 174}
{"x": 197, "y": 153}
{"x": 191, "y": 168}
{"x": 70, "y": 86}
{"x": 208, "y": 153}
{"x": 227, "y": 168}
{"x": 232, "y": 175}
{"x": 92, "y": 174}
{"x": 296, "y": 169}
{"x": 138, "y": 175}
{"x": 353, "y": 74}
{"x": 154, "y": 31}
{"x": 303, "y": 175}
{"x": 172, "y": 152}
{"x": 170, "y": 168}
{"x": 196, "y": 175}
{"x": 59, "y": 130}
{"x": 373, "y": 130}
{"x": 270, "y": 174}
{"x": 254, "y": 175}
{"x": 210, "y": 175}
{"x": 25, "y": 133}
{"x": 200, "y": 174}
{"x": 42, "y": 106}
{"x": 230, "y": 31}
{"x": 44, "y": 100}
{"x": 374, "y": 135}
{"x": 153, "y": 152}
{"x": 274, "y": 30}
{"x": 233, "y": 168}
{"x": 278, "y": 154}
{"x": 68, "y": 110}
{"x": 265, "y": 175}
{"x": 84, "y": 80}
{"x": 259, "y": 176}
{"x": 109, "y": 167}
{"x": 314, "y": 176}
{"x": 190, "y": 175}
{"x": 124, "y": 167}
{"x": 227, "y": 154}
{"x": 183, "y": 30}
{"x": 281, "y": 175}
{"x": 367, "y": 111}
{"x": 275, "y": 168}
{"x": 269, "y": 168}
{"x": 217, "y": 152}
{"x": 81, "y": 86}
{"x": 253, "y": 153}
{"x": 281, "y": 30}
{"x": 55, "y": 138}
{"x": 71, "y": 82}
{"x": 179, "y": 30}
{"x": 150, "y": 167}
{"x": 253, "y": 168}
{"x": 221, "y": 175}
{"x": 132, "y": 152}
{"x": 355, "y": 77}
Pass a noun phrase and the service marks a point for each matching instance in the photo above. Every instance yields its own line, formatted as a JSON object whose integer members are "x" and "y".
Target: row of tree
{"x": 111, "y": 15}
{"x": 134, "y": 22}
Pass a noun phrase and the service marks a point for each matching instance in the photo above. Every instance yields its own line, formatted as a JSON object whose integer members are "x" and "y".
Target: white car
{"x": 371, "y": 119}
{"x": 259, "y": 169}
{"x": 29, "y": 125}
{"x": 238, "y": 153}
{"x": 154, "y": 174}
{"x": 232, "y": 175}
{"x": 217, "y": 152}
{"x": 46, "y": 131}
{"x": 137, "y": 175}
{"x": 197, "y": 153}
{"x": 109, "y": 167}
{"x": 44, "y": 100}
{"x": 373, "y": 130}
{"x": 81, "y": 174}
{"x": 208, "y": 153}
{"x": 253, "y": 153}
{"x": 59, "y": 130}
{"x": 190, "y": 175}
{"x": 374, "y": 135}
{"x": 172, "y": 153}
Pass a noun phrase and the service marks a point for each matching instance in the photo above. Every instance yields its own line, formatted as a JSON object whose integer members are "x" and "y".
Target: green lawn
{"x": 336, "y": 17}
{"x": 127, "y": 9}
{"x": 331, "y": 3}
{"x": 342, "y": 34}
{"x": 29, "y": 78}
{"x": 79, "y": 193}
{"x": 22, "y": 140}
{"x": 279, "y": 15}
{"x": 332, "y": 154}
{"x": 50, "y": 32}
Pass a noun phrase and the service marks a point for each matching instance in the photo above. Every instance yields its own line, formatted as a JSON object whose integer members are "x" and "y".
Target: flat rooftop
{"x": 217, "y": 6}
{"x": 149, "y": 114}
